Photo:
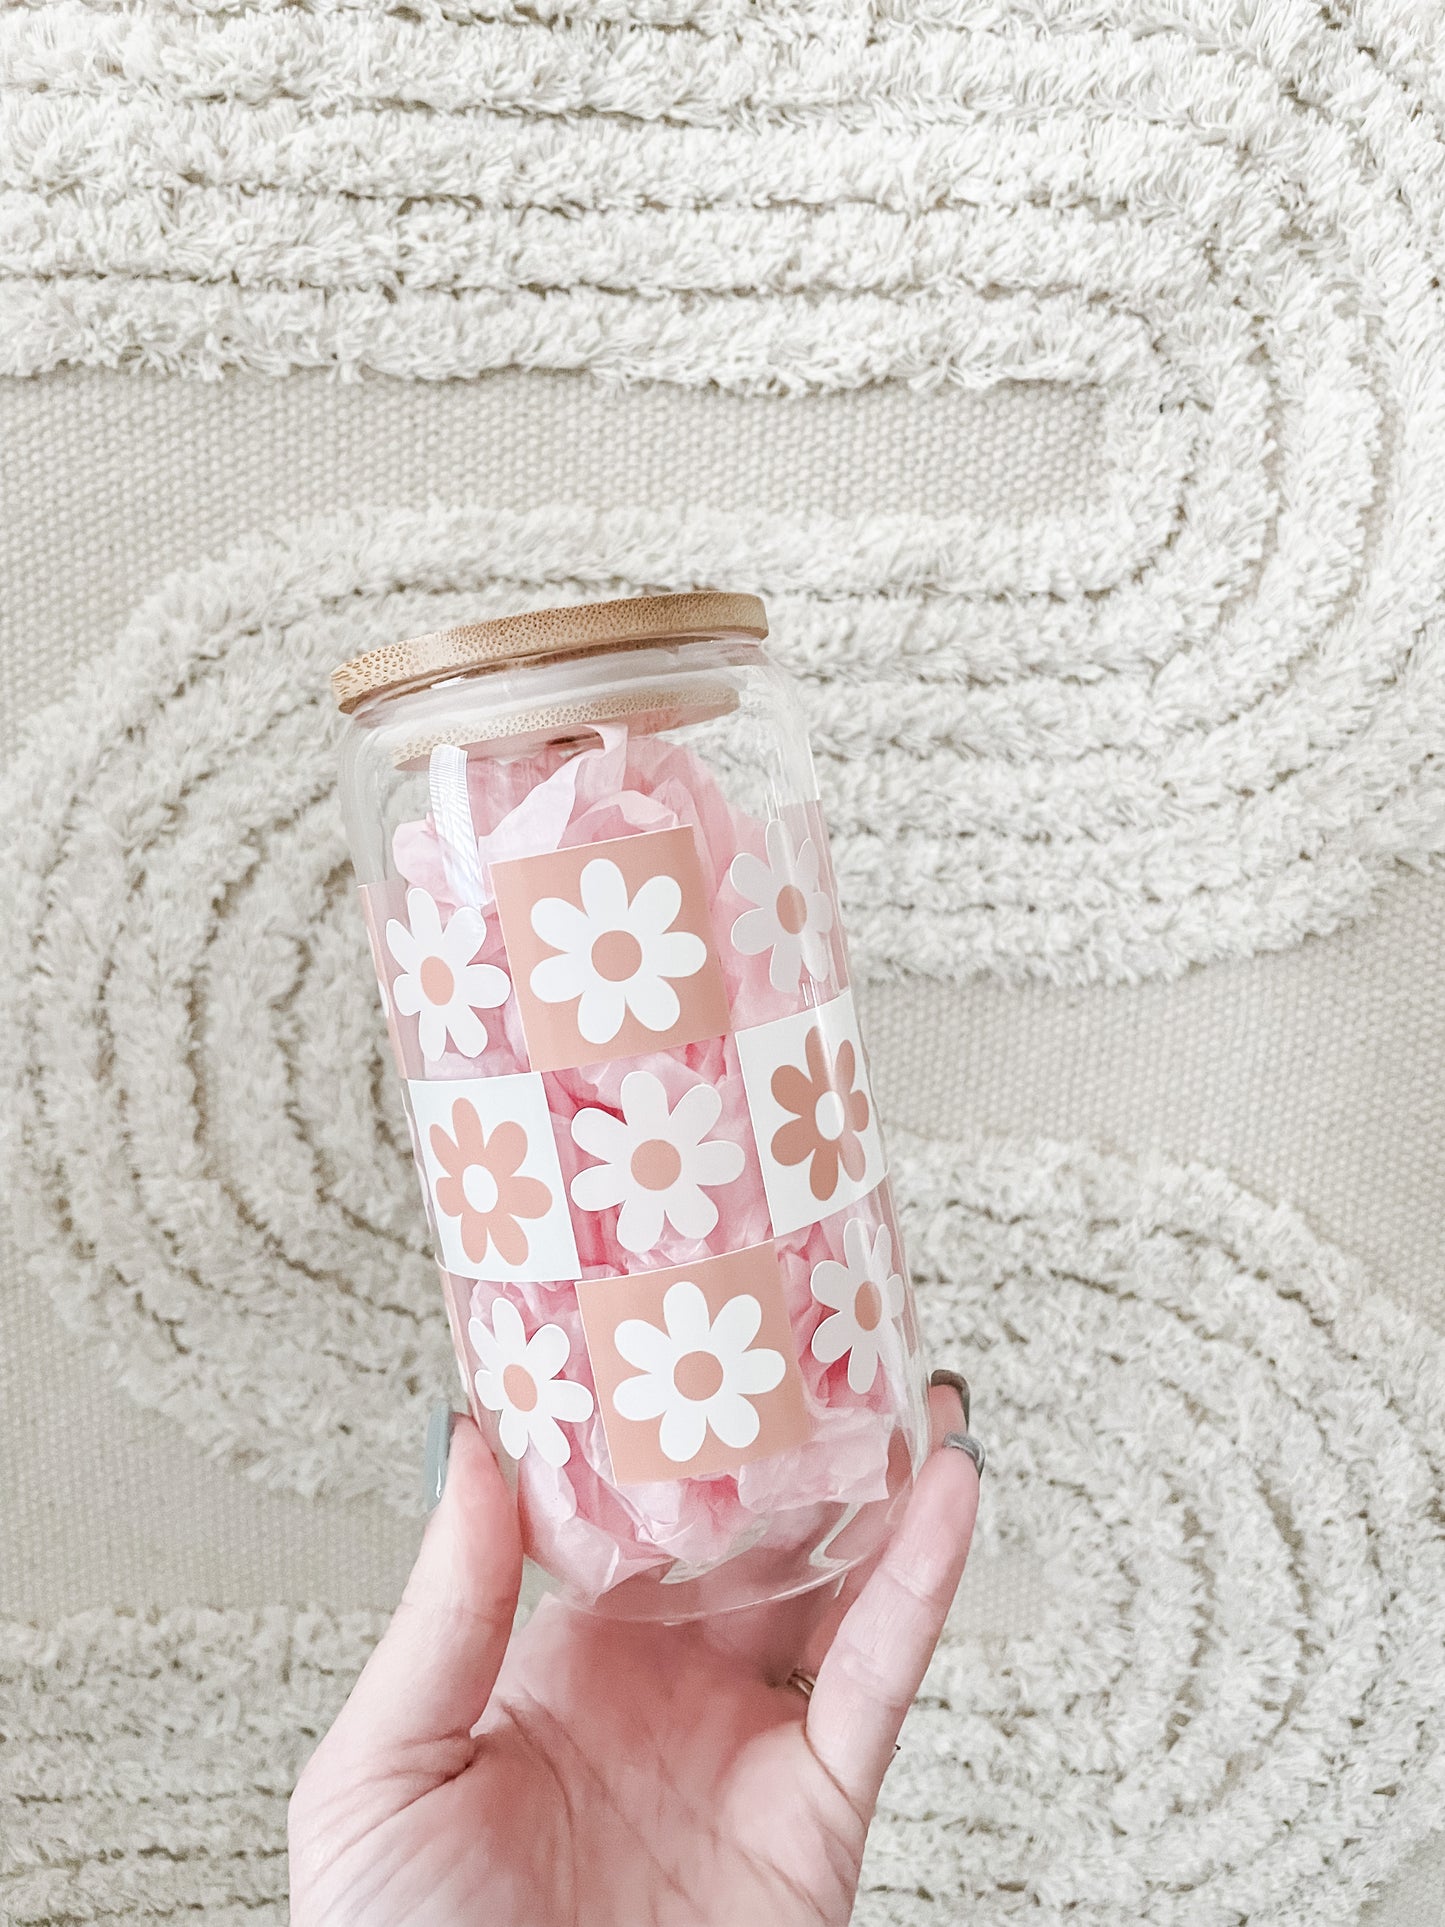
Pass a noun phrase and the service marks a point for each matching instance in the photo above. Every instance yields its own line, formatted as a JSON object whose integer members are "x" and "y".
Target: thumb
{"x": 428, "y": 1681}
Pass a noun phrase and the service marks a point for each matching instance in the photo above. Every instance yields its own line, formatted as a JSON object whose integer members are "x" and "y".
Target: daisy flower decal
{"x": 657, "y": 1164}
{"x": 793, "y": 913}
{"x": 611, "y": 949}
{"x": 828, "y": 1111}
{"x": 518, "y": 1378}
{"x": 441, "y": 983}
{"x": 865, "y": 1294}
{"x": 616, "y": 953}
{"x": 483, "y": 1185}
{"x": 699, "y": 1373}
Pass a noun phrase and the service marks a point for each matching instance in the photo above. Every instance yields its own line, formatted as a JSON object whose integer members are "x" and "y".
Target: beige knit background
{"x": 1308, "y": 1073}
{"x": 1313, "y": 1075}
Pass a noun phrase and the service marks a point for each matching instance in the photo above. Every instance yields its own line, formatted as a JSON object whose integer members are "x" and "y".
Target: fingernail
{"x": 438, "y": 1451}
{"x": 959, "y": 1384}
{"x": 966, "y": 1442}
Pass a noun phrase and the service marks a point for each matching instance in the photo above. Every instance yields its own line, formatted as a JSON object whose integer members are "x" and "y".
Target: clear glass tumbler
{"x": 598, "y": 891}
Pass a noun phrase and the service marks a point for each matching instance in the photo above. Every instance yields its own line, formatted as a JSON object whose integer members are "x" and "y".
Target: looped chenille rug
{"x": 1217, "y": 1458}
{"x": 1183, "y": 716}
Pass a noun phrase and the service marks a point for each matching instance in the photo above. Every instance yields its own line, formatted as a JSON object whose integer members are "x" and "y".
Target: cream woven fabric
{"x": 1217, "y": 1666}
{"x": 1233, "y": 1061}
{"x": 1075, "y": 392}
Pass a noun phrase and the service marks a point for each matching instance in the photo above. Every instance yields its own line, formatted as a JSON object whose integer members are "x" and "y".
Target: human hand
{"x": 621, "y": 1774}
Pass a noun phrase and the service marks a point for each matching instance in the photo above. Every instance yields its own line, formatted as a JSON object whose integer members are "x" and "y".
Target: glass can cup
{"x": 597, "y": 886}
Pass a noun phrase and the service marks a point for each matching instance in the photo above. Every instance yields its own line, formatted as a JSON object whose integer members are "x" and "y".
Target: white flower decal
{"x": 865, "y": 1295}
{"x": 616, "y": 954}
{"x": 441, "y": 986}
{"x": 793, "y": 915}
{"x": 518, "y": 1378}
{"x": 699, "y": 1373}
{"x": 655, "y": 1161}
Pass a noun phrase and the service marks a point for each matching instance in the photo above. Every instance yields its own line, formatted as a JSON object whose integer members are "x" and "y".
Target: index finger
{"x": 788, "y": 1634}
{"x": 881, "y": 1651}
{"x": 946, "y": 1413}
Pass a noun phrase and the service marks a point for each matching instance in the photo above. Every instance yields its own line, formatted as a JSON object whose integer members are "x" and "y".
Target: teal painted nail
{"x": 438, "y": 1451}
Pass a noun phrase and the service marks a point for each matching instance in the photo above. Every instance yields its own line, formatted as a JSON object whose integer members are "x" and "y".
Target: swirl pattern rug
{"x": 1197, "y": 717}
{"x": 1201, "y": 718}
{"x": 1228, "y": 1706}
{"x": 190, "y": 1024}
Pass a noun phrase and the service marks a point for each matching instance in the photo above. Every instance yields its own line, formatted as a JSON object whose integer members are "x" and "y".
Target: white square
{"x": 812, "y": 1112}
{"x": 493, "y": 1183}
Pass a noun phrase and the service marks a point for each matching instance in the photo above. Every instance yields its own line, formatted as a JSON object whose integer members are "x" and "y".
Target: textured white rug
{"x": 1218, "y": 1454}
{"x": 186, "y": 985}
{"x": 1222, "y": 1702}
{"x": 1193, "y": 715}
{"x": 1203, "y": 716}
{"x": 822, "y": 191}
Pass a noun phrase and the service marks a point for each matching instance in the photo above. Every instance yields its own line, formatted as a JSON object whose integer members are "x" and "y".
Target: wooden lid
{"x": 548, "y": 632}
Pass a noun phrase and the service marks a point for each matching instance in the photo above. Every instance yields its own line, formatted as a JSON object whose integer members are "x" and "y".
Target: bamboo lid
{"x": 547, "y": 632}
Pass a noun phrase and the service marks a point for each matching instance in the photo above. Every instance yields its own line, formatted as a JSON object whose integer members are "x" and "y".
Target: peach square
{"x": 611, "y": 948}
{"x": 694, "y": 1366}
